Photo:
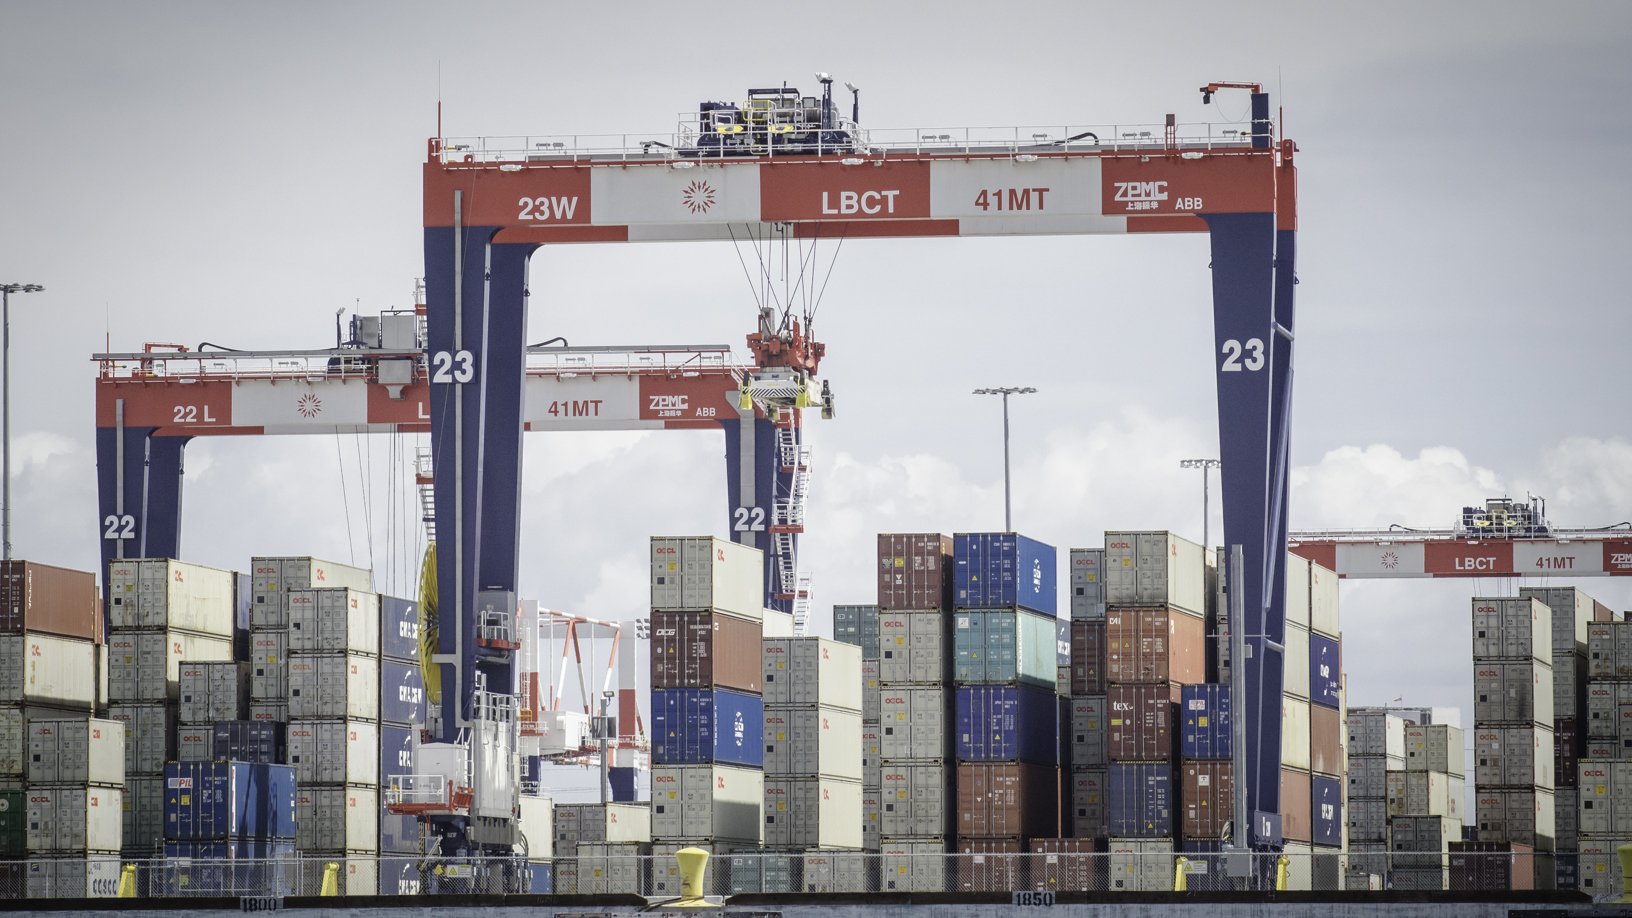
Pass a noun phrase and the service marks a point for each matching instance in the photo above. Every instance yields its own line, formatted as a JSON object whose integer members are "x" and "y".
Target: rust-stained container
{"x": 1325, "y": 740}
{"x": 989, "y": 864}
{"x": 706, "y": 650}
{"x": 1140, "y": 722}
{"x": 1087, "y": 658}
{"x": 1068, "y": 864}
{"x": 1154, "y": 644}
{"x": 914, "y": 571}
{"x": 53, "y": 600}
{"x": 1208, "y": 798}
{"x": 1296, "y": 822}
{"x": 1004, "y": 800}
{"x": 1482, "y": 865}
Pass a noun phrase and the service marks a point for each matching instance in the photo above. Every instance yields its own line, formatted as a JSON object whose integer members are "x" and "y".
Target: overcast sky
{"x": 237, "y": 172}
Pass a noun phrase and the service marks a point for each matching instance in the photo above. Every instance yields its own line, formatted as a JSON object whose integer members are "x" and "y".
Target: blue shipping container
{"x": 402, "y": 693}
{"x": 399, "y": 876}
{"x": 1001, "y": 647}
{"x": 1206, "y": 712}
{"x": 236, "y": 868}
{"x": 1326, "y": 810}
{"x": 1062, "y": 642}
{"x": 258, "y": 741}
{"x": 701, "y": 726}
{"x": 1139, "y": 800}
{"x": 992, "y": 569}
{"x": 399, "y": 628}
{"x": 1567, "y": 871}
{"x": 1325, "y": 670}
{"x": 223, "y": 801}
{"x": 1008, "y": 724}
{"x": 398, "y": 834}
{"x": 540, "y": 883}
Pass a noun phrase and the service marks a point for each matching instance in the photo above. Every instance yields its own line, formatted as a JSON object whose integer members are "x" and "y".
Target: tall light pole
{"x": 1008, "y": 520}
{"x": 6, "y": 290}
{"x": 1204, "y": 465}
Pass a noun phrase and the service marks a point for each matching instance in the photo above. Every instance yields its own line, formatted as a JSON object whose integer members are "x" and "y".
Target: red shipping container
{"x": 706, "y": 650}
{"x": 1154, "y": 644}
{"x": 1008, "y": 800}
{"x": 1498, "y": 865}
{"x": 51, "y": 600}
{"x": 1565, "y": 756}
{"x": 1325, "y": 740}
{"x": 1087, "y": 658}
{"x": 1208, "y": 794}
{"x": 1140, "y": 722}
{"x": 1068, "y": 864}
{"x": 914, "y": 571}
{"x": 1297, "y": 822}
{"x": 988, "y": 865}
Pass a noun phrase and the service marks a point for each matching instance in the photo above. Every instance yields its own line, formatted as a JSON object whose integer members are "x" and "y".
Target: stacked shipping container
{"x": 1573, "y": 612}
{"x": 812, "y": 733}
{"x": 1376, "y": 750}
{"x": 1603, "y": 816}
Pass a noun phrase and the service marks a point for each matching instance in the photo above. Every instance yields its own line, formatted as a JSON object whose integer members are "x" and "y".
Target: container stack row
{"x": 1313, "y": 770}
{"x": 1603, "y": 812}
{"x": 1574, "y": 612}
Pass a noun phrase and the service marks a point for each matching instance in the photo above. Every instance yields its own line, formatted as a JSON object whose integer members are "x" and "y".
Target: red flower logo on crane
{"x": 309, "y": 405}
{"x": 698, "y": 196}
{"x": 1390, "y": 560}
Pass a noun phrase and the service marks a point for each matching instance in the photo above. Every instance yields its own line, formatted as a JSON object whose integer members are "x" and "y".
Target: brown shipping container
{"x": 1566, "y": 746}
{"x": 706, "y": 650}
{"x": 1481, "y": 865}
{"x": 988, "y": 864}
{"x": 1068, "y": 864}
{"x": 1154, "y": 644}
{"x": 1003, "y": 800}
{"x": 1140, "y": 722}
{"x": 1601, "y": 612}
{"x": 1087, "y": 658}
{"x": 1325, "y": 740}
{"x": 914, "y": 571}
{"x": 1208, "y": 796}
{"x": 1296, "y": 819}
{"x": 53, "y": 600}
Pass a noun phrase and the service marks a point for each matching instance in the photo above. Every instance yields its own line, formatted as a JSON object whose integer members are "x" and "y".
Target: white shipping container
{"x": 85, "y": 750}
{"x": 334, "y": 752}
{"x": 1604, "y": 700}
{"x": 94, "y": 876}
{"x": 213, "y": 691}
{"x": 1513, "y": 757}
{"x": 537, "y": 825}
{"x": 708, "y": 802}
{"x": 1523, "y": 816}
{"x": 776, "y": 624}
{"x": 13, "y": 743}
{"x": 1609, "y": 650}
{"x": 1088, "y": 748}
{"x": 1140, "y": 864}
{"x": 1154, "y": 568}
{"x": 1297, "y": 592}
{"x": 1323, "y": 617}
{"x": 809, "y": 741}
{"x": 1572, "y": 613}
{"x": 269, "y": 665}
{"x": 1435, "y": 747}
{"x": 195, "y": 743}
{"x": 146, "y": 665}
{"x": 1598, "y": 869}
{"x": 1565, "y": 819}
{"x": 835, "y": 871}
{"x": 1296, "y": 679}
{"x": 912, "y": 723}
{"x": 871, "y": 748}
{"x": 1375, "y": 733}
{"x": 149, "y": 729}
{"x": 271, "y": 579}
{"x": 1089, "y": 814}
{"x": 606, "y": 869}
{"x": 1604, "y": 798}
{"x": 1295, "y": 732}
{"x": 334, "y": 685}
{"x": 49, "y": 670}
{"x": 1367, "y": 774}
{"x": 64, "y": 819}
{"x": 615, "y": 823}
{"x": 869, "y": 689}
{"x": 1569, "y": 677}
{"x": 917, "y": 801}
{"x": 1426, "y": 793}
{"x": 812, "y": 670}
{"x": 812, "y": 813}
{"x": 1087, "y": 584}
{"x": 1507, "y": 628}
{"x": 334, "y": 620}
{"x": 704, "y": 572}
{"x": 342, "y": 818}
{"x": 916, "y": 866}
{"x": 1421, "y": 842}
{"x": 158, "y": 593}
{"x": 1368, "y": 819}
{"x": 269, "y": 711}
{"x": 143, "y": 815}
{"x": 871, "y": 803}
{"x": 1368, "y": 858}
{"x": 1513, "y": 693}
{"x": 912, "y": 648}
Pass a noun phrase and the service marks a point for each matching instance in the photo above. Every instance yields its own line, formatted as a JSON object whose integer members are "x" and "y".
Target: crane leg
{"x": 753, "y": 478}
{"x": 151, "y": 474}
{"x": 1252, "y": 283}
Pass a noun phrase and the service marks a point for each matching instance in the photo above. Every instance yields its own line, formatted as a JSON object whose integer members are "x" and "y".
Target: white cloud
{"x": 1355, "y": 488}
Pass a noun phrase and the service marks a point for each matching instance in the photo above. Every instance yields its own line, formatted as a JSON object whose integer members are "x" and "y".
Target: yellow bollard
{"x": 331, "y": 880}
{"x": 127, "y": 882}
{"x": 693, "y": 861}
{"x": 1178, "y": 875}
{"x": 1625, "y": 853}
{"x": 1280, "y": 872}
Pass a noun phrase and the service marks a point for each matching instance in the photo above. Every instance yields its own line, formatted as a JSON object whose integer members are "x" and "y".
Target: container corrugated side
{"x": 696, "y": 649}
{"x": 47, "y": 670}
{"x": 998, "y": 569}
{"x": 150, "y": 736}
{"x": 812, "y": 813}
{"x": 1087, "y": 584}
{"x": 1154, "y": 644}
{"x": 228, "y": 800}
{"x": 78, "y": 751}
{"x": 1154, "y": 568}
{"x": 271, "y": 579}
{"x": 807, "y": 741}
{"x": 997, "y": 647}
{"x": 917, "y": 801}
{"x": 334, "y": 751}
{"x": 334, "y": 685}
{"x": 146, "y": 665}
{"x": 67, "y": 820}
{"x": 337, "y": 818}
{"x": 168, "y": 594}
{"x": 696, "y": 726}
{"x": 914, "y": 571}
{"x": 1512, "y": 693}
{"x": 704, "y": 572}
{"x": 1295, "y": 803}
{"x": 334, "y": 620}
{"x": 54, "y": 600}
{"x": 812, "y": 671}
{"x": 701, "y": 802}
{"x": 1007, "y": 724}
{"x": 913, "y": 648}
{"x": 143, "y": 804}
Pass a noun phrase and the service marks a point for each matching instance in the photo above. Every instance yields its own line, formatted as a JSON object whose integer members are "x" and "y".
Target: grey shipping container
{"x": 808, "y": 741}
{"x": 857, "y": 625}
{"x": 872, "y": 799}
{"x": 334, "y": 685}
{"x": 871, "y": 749}
{"x": 337, "y": 818}
{"x": 271, "y": 579}
{"x": 1569, "y": 684}
{"x": 1368, "y": 774}
{"x": 1368, "y": 819}
{"x": 65, "y": 819}
{"x": 48, "y": 670}
{"x": 1154, "y": 568}
{"x": 269, "y": 665}
{"x": 1508, "y": 628}
{"x": 1512, "y": 756}
{"x": 195, "y": 743}
{"x": 1139, "y": 864}
{"x": 869, "y": 689}
{"x": 703, "y": 572}
{"x": 158, "y": 593}
{"x": 1421, "y": 842}
{"x": 1513, "y": 693}
{"x": 334, "y": 751}
{"x": 143, "y": 805}
{"x": 1604, "y": 700}
{"x": 1375, "y": 733}
{"x": 13, "y": 743}
{"x": 616, "y": 823}
{"x": 146, "y": 665}
{"x": 913, "y": 724}
{"x": 1512, "y": 815}
{"x": 1087, "y": 584}
{"x": 213, "y": 691}
{"x": 1603, "y": 798}
{"x": 334, "y": 620}
{"x": 812, "y": 670}
{"x": 150, "y": 733}
{"x": 79, "y": 751}
{"x": 1088, "y": 746}
{"x": 912, "y": 648}
{"x": 1566, "y": 819}
{"x": 1609, "y": 650}
{"x": 269, "y": 711}
{"x": 707, "y": 802}
{"x": 812, "y": 813}
{"x": 1572, "y": 613}
{"x": 916, "y": 801}
{"x": 1089, "y": 811}
{"x": 1435, "y": 747}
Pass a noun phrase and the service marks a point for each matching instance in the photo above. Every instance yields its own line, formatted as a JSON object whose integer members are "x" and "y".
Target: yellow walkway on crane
{"x": 430, "y": 672}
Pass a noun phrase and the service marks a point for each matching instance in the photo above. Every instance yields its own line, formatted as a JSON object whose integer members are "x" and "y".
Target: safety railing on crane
{"x": 1011, "y": 140}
